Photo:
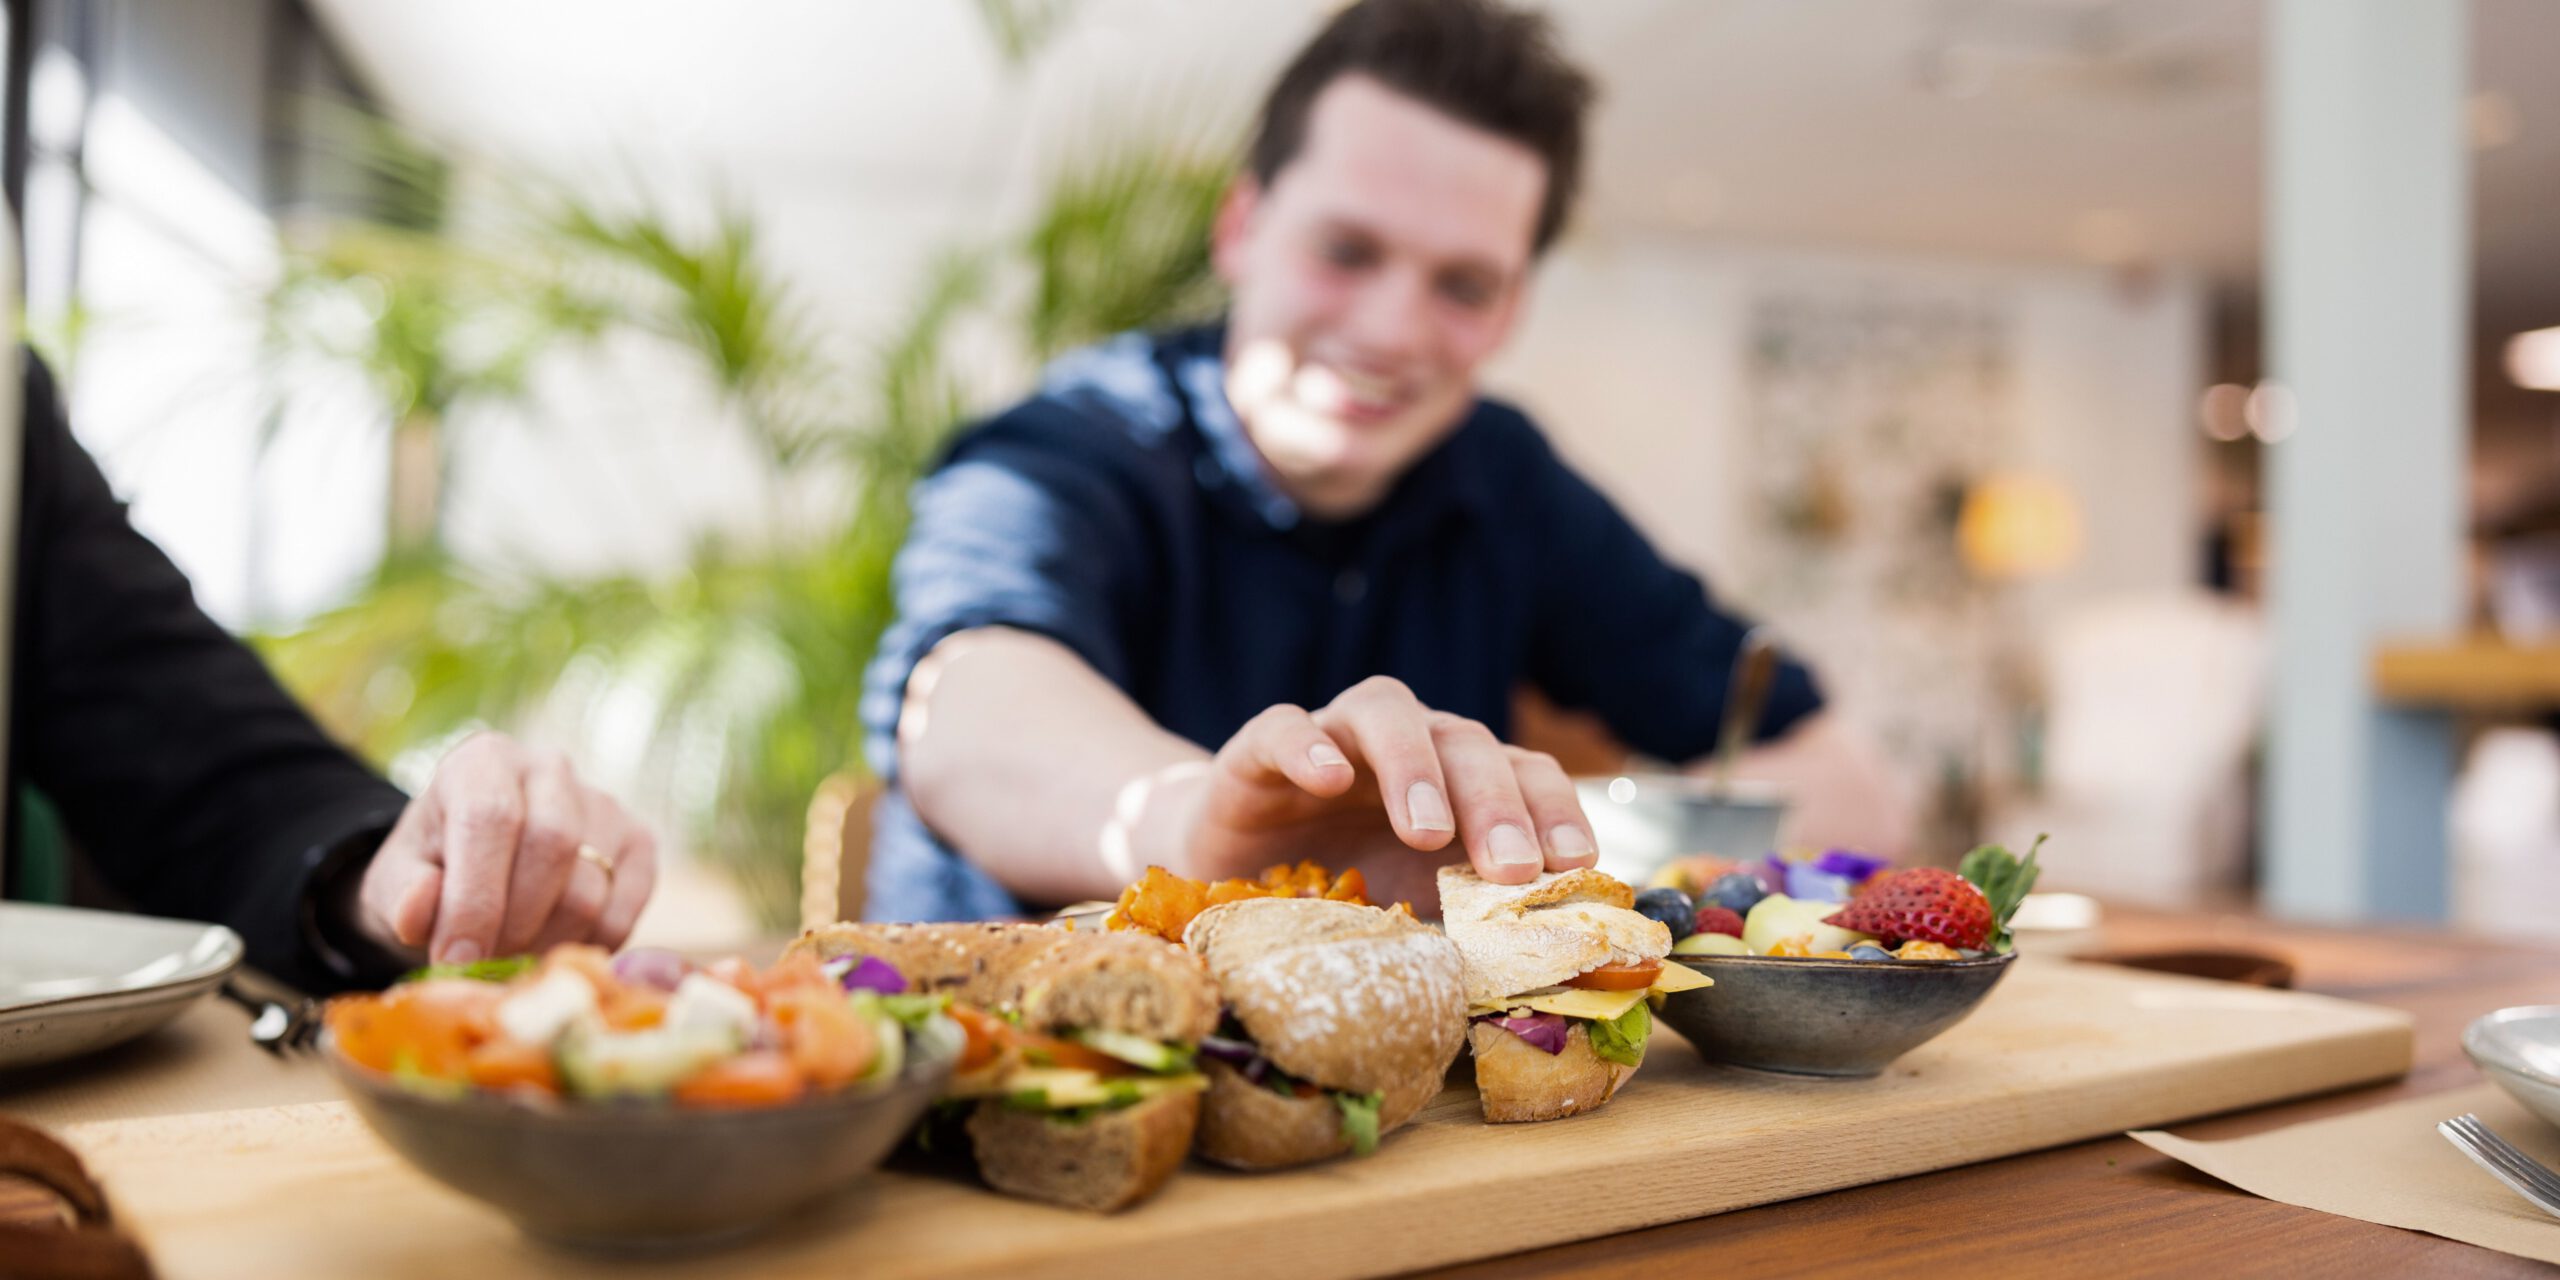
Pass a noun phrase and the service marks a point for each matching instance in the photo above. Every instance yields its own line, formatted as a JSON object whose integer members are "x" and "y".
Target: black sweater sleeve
{"x": 192, "y": 782}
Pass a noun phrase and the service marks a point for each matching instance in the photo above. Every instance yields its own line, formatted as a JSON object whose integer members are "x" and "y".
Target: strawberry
{"x": 1928, "y": 903}
{"x": 1723, "y": 920}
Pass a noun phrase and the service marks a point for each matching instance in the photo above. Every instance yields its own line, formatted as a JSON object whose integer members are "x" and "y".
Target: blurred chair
{"x": 2153, "y": 704}
{"x": 835, "y": 849}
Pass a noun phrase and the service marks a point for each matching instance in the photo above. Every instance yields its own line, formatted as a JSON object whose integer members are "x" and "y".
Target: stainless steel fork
{"x": 2529, "y": 1177}
{"x": 276, "y": 1026}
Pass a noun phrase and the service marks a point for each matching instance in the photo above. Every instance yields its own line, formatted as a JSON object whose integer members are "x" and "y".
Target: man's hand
{"x": 1377, "y": 780}
{"x": 504, "y": 852}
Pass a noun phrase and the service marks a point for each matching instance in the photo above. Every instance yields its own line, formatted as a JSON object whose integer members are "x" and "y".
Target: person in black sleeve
{"x": 195, "y": 786}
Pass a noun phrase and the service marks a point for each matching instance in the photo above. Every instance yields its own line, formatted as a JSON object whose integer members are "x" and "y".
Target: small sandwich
{"x": 1080, "y": 1048}
{"x": 1341, "y": 1022}
{"x": 1557, "y": 973}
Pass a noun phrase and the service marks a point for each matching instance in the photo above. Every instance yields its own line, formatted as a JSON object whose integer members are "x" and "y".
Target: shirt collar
{"x": 1198, "y": 365}
{"x": 1196, "y": 362}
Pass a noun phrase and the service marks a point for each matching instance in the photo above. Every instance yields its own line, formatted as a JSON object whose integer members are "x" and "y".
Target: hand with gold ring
{"x": 506, "y": 851}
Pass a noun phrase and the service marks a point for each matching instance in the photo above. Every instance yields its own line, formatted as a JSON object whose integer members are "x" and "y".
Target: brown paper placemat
{"x": 2388, "y": 1165}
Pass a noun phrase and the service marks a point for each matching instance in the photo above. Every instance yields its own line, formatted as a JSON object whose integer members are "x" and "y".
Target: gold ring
{"x": 587, "y": 853}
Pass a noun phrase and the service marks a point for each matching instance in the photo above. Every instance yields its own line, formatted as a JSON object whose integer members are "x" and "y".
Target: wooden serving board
{"x": 2060, "y": 1052}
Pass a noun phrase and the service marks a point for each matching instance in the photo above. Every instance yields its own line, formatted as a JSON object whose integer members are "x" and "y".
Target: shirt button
{"x": 1350, "y": 585}
{"x": 1205, "y": 471}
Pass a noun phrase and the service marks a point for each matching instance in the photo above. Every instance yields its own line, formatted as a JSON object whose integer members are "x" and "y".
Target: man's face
{"x": 1379, "y": 269}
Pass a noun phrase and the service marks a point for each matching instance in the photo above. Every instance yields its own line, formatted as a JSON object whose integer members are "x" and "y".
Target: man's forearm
{"x": 1039, "y": 770}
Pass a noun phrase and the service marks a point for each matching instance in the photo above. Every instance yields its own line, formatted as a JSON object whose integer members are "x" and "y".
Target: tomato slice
{"x": 1618, "y": 977}
{"x": 987, "y": 1035}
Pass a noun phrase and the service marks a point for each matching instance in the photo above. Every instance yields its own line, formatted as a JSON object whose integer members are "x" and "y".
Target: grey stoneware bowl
{"x": 2519, "y": 1050}
{"x": 645, "y": 1176}
{"x": 1825, "y": 1017}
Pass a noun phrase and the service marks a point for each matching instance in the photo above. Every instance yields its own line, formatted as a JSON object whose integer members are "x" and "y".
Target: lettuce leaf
{"x": 1359, "y": 1119}
{"x": 1621, "y": 1039}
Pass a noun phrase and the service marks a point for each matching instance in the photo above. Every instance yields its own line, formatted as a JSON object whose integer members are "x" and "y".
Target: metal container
{"x": 1644, "y": 820}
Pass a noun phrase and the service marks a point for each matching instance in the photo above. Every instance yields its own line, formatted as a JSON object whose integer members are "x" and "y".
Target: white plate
{"x": 2519, "y": 1050}
{"x": 72, "y": 981}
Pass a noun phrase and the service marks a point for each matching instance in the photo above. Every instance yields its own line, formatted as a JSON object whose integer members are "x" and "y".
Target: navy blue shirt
{"x": 1123, "y": 512}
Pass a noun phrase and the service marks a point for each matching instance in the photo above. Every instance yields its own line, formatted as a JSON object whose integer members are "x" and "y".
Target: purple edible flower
{"x": 1850, "y": 864}
{"x": 1808, "y": 883}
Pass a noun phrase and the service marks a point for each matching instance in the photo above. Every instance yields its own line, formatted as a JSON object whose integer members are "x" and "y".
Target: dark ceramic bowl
{"x": 641, "y": 1176}
{"x": 1825, "y": 1017}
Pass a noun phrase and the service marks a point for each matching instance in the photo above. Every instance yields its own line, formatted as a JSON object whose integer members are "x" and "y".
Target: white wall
{"x": 1634, "y": 354}
{"x": 1632, "y": 358}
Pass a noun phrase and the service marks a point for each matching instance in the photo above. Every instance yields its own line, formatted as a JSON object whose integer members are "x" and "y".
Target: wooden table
{"x": 2110, "y": 1207}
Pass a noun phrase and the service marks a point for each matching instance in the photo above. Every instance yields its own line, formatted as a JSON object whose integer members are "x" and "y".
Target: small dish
{"x": 74, "y": 981}
{"x": 1813, "y": 1017}
{"x": 643, "y": 1176}
{"x": 2519, "y": 1050}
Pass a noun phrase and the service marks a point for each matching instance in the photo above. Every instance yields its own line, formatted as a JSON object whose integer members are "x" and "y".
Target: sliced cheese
{"x": 1572, "y": 1002}
{"x": 1679, "y": 977}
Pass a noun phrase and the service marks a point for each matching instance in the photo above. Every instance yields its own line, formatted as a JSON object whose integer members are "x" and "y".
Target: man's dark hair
{"x": 1493, "y": 67}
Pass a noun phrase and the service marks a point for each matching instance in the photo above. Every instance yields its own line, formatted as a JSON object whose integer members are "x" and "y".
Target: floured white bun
{"x": 1520, "y": 937}
{"x": 1518, "y": 1081}
{"x": 1339, "y": 995}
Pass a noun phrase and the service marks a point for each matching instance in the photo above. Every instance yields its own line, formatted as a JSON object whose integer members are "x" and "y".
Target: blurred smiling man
{"x": 1260, "y": 592}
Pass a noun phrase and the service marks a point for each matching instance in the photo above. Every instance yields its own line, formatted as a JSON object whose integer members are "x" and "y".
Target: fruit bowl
{"x": 1816, "y": 1017}
{"x": 638, "y": 1175}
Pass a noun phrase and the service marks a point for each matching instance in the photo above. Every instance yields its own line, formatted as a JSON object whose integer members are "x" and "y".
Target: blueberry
{"x": 1869, "y": 951}
{"x": 1735, "y": 891}
{"x": 1671, "y": 907}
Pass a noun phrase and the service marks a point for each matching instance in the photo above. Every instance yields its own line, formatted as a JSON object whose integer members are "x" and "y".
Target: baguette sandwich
{"x": 1341, "y": 1022}
{"x": 1080, "y": 1054}
{"x": 1558, "y": 972}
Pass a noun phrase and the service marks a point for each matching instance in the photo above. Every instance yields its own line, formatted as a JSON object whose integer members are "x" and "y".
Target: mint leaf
{"x": 2004, "y": 880}
{"x": 1621, "y": 1039}
{"x": 1359, "y": 1119}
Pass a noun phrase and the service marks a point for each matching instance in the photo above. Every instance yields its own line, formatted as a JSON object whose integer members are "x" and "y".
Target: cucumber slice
{"x": 1137, "y": 1051}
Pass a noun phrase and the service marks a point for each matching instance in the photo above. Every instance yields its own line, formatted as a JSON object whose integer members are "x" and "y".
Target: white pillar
{"x": 2367, "y": 313}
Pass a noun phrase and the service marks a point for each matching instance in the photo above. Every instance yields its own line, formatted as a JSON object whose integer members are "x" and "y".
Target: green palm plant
{"x": 740, "y": 675}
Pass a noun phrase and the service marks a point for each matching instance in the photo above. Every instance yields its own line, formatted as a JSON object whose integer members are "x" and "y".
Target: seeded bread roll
{"x": 1517, "y": 1081}
{"x": 1103, "y": 1162}
{"x": 1345, "y": 997}
{"x": 1056, "y": 978}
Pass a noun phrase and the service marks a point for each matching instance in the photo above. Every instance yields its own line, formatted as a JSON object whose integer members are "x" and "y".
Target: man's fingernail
{"x": 1427, "y": 809}
{"x": 1327, "y": 756}
{"x": 462, "y": 952}
{"x": 1569, "y": 841}
{"x": 1509, "y": 846}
